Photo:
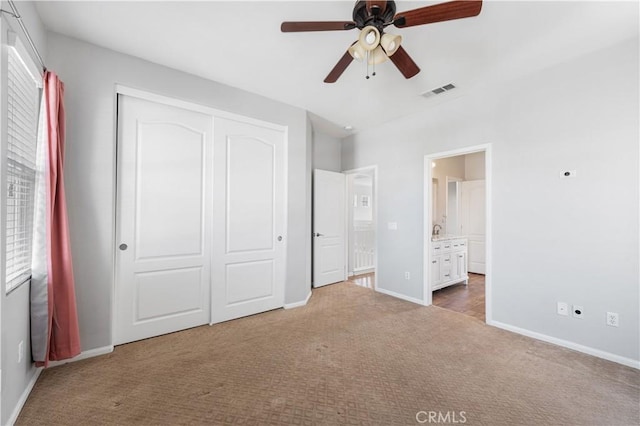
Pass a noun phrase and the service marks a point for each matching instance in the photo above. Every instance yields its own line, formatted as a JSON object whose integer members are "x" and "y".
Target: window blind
{"x": 22, "y": 126}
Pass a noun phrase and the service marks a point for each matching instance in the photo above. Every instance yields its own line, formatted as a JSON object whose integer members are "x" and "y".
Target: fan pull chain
{"x": 367, "y": 62}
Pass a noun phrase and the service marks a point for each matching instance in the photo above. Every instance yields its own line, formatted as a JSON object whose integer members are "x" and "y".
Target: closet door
{"x": 163, "y": 219}
{"x": 248, "y": 219}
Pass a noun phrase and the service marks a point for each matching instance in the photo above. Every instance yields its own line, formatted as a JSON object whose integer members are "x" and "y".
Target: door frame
{"x": 121, "y": 89}
{"x": 428, "y": 219}
{"x": 373, "y": 168}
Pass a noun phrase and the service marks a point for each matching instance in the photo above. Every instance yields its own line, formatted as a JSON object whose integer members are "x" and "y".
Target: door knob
{"x": 279, "y": 237}
{"x": 123, "y": 247}
{"x": 319, "y": 234}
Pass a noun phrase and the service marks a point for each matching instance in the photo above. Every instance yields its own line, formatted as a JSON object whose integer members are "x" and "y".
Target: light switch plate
{"x": 392, "y": 226}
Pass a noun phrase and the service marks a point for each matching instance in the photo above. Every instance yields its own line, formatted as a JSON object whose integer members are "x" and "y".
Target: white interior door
{"x": 329, "y": 227}
{"x": 473, "y": 222}
{"x": 164, "y": 214}
{"x": 249, "y": 232}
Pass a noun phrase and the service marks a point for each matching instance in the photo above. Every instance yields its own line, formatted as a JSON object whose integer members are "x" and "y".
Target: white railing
{"x": 363, "y": 247}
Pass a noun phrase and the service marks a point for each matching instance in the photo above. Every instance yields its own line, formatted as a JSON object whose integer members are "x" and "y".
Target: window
{"x": 23, "y": 97}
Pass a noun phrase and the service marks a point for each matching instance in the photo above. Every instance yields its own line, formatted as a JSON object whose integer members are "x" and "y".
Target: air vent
{"x": 439, "y": 90}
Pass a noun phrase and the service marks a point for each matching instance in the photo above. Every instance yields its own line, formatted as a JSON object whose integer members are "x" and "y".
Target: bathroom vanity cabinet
{"x": 448, "y": 262}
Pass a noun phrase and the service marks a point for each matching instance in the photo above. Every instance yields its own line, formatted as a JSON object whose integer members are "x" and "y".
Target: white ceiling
{"x": 239, "y": 43}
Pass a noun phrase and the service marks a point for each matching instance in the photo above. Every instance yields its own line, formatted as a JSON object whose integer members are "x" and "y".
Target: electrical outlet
{"x": 407, "y": 276}
{"x": 578, "y": 312}
{"x": 612, "y": 319}
{"x": 563, "y": 309}
{"x": 20, "y": 351}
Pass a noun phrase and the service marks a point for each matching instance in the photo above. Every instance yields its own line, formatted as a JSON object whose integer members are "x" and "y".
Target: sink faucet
{"x": 435, "y": 231}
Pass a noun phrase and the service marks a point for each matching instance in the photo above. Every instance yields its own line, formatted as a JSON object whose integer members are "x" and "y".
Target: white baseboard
{"x": 399, "y": 296}
{"x": 567, "y": 344}
{"x": 84, "y": 355}
{"x": 23, "y": 398}
{"x": 298, "y": 304}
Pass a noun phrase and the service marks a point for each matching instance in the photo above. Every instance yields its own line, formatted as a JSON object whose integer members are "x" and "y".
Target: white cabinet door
{"x": 455, "y": 267}
{"x": 462, "y": 265}
{"x": 249, "y": 223}
{"x": 164, "y": 214}
{"x": 329, "y": 225}
{"x": 472, "y": 215}
{"x": 436, "y": 264}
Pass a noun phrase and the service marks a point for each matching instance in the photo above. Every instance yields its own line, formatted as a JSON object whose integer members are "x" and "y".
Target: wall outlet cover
{"x": 563, "y": 309}
{"x": 612, "y": 319}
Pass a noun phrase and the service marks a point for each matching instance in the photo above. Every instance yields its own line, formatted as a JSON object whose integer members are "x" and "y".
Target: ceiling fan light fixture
{"x": 369, "y": 38}
{"x": 390, "y": 43}
{"x": 357, "y": 52}
{"x": 377, "y": 56}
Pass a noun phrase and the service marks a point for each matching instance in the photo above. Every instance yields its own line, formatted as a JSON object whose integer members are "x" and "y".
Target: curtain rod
{"x": 16, "y": 15}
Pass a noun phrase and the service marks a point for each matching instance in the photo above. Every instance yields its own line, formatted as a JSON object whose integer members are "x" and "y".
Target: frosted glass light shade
{"x": 357, "y": 51}
{"x": 369, "y": 38}
{"x": 377, "y": 56}
{"x": 390, "y": 43}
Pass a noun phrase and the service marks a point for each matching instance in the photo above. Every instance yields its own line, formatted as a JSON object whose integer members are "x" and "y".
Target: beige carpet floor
{"x": 351, "y": 356}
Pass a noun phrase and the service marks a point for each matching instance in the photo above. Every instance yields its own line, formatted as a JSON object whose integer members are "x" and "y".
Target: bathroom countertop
{"x": 446, "y": 237}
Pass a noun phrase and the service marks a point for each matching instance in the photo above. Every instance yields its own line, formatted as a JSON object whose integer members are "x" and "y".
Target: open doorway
{"x": 361, "y": 226}
{"x": 457, "y": 231}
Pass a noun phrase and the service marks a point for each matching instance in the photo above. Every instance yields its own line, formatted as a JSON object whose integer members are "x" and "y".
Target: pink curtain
{"x": 61, "y": 332}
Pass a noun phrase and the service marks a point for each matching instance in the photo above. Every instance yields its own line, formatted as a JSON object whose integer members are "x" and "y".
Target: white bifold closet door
{"x": 200, "y": 219}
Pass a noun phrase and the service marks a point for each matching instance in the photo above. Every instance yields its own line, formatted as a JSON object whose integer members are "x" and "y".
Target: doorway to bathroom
{"x": 456, "y": 231}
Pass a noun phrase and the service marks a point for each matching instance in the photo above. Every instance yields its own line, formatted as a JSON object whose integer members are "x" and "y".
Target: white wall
{"x": 474, "y": 166}
{"x": 572, "y": 240}
{"x": 327, "y": 152}
{"x": 14, "y": 308}
{"x": 90, "y": 74}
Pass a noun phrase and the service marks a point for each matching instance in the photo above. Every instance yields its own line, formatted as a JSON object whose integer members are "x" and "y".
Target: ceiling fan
{"x": 375, "y": 45}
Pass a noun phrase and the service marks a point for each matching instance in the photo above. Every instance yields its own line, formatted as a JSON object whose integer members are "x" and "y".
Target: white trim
{"x": 399, "y": 296}
{"x": 428, "y": 219}
{"x": 298, "y": 304}
{"x": 567, "y": 344}
{"x": 27, "y": 391}
{"x": 84, "y": 355}
{"x": 23, "y": 398}
{"x": 191, "y": 106}
{"x": 375, "y": 221}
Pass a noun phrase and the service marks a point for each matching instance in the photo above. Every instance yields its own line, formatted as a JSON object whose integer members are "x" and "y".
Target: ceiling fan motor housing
{"x": 377, "y": 18}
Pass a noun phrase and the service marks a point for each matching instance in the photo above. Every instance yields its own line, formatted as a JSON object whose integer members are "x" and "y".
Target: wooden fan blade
{"x": 292, "y": 27}
{"x": 404, "y": 63}
{"x": 438, "y": 13}
{"x": 337, "y": 71}
{"x": 380, "y": 4}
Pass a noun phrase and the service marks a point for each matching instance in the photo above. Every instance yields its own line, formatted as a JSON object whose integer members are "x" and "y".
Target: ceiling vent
{"x": 439, "y": 90}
